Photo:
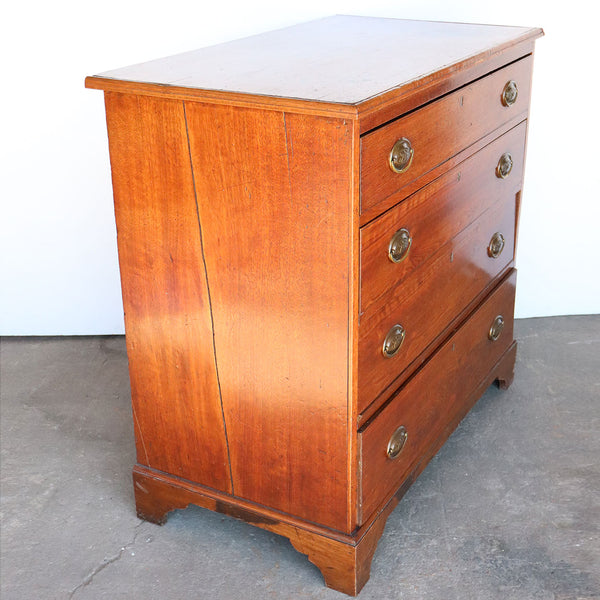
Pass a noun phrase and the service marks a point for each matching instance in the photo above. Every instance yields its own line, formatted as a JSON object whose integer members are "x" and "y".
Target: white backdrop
{"x": 58, "y": 257}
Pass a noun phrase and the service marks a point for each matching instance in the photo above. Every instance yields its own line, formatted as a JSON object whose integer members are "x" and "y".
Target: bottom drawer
{"x": 432, "y": 399}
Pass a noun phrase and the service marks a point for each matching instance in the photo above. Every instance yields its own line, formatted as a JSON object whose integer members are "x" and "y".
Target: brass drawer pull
{"x": 496, "y": 245}
{"x": 505, "y": 165}
{"x": 496, "y": 328}
{"x": 399, "y": 245}
{"x": 397, "y": 442}
{"x": 401, "y": 156}
{"x": 510, "y": 93}
{"x": 393, "y": 340}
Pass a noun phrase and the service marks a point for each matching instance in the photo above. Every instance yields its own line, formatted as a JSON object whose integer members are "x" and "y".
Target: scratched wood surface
{"x": 368, "y": 68}
{"x": 342, "y": 59}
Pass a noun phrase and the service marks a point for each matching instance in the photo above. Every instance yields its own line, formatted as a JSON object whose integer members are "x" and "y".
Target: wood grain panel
{"x": 174, "y": 384}
{"x": 436, "y": 214}
{"x": 274, "y": 192}
{"x": 430, "y": 400}
{"x": 440, "y": 130}
{"x": 432, "y": 298}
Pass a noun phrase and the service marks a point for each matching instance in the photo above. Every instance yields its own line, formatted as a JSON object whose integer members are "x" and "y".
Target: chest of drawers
{"x": 316, "y": 232}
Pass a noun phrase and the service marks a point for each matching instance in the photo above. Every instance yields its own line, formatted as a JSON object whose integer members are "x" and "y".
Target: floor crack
{"x": 107, "y": 561}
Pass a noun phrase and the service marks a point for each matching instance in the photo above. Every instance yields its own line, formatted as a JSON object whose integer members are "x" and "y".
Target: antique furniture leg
{"x": 505, "y": 370}
{"x": 344, "y": 561}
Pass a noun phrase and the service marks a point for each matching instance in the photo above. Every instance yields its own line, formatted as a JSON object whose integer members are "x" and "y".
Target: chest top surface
{"x": 340, "y": 59}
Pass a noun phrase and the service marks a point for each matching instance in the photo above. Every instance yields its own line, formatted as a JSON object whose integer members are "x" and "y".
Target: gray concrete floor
{"x": 509, "y": 509}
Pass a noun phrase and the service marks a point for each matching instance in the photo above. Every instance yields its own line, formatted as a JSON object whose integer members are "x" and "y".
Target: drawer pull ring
{"x": 397, "y": 442}
{"x": 496, "y": 245}
{"x": 393, "y": 340}
{"x": 399, "y": 245}
{"x": 401, "y": 156}
{"x": 496, "y": 328}
{"x": 505, "y": 165}
{"x": 510, "y": 93}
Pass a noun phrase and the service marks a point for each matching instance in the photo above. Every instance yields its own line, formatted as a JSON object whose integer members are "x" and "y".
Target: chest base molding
{"x": 344, "y": 560}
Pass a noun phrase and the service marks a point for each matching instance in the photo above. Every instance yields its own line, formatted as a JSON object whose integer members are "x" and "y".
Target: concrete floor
{"x": 509, "y": 509}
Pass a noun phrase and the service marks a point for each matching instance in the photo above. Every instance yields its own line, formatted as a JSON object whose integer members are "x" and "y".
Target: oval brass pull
{"x": 397, "y": 442}
{"x": 496, "y": 328}
{"x": 496, "y": 245}
{"x": 505, "y": 165}
{"x": 510, "y": 93}
{"x": 401, "y": 156}
{"x": 393, "y": 340}
{"x": 399, "y": 245}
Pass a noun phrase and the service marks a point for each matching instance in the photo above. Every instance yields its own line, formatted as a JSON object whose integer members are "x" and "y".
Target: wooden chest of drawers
{"x": 316, "y": 233}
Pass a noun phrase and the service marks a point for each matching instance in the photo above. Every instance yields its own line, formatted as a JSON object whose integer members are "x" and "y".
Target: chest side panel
{"x": 274, "y": 194}
{"x": 177, "y": 410}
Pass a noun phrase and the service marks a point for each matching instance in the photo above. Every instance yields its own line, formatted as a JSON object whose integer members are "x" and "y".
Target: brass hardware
{"x": 401, "y": 156}
{"x": 505, "y": 165}
{"x": 397, "y": 442}
{"x": 399, "y": 245}
{"x": 496, "y": 245}
{"x": 510, "y": 93}
{"x": 496, "y": 328}
{"x": 393, "y": 340}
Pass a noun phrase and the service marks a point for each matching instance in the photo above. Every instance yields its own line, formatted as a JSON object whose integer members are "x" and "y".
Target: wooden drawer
{"x": 440, "y": 130}
{"x": 433, "y": 399}
{"x": 431, "y": 298}
{"x": 436, "y": 214}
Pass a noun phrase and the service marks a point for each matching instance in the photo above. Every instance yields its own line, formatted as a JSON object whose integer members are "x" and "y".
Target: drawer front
{"x": 432, "y": 297}
{"x": 438, "y": 131}
{"x": 434, "y": 215}
{"x": 432, "y": 399}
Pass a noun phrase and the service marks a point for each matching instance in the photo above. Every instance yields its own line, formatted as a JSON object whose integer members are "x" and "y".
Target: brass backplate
{"x": 496, "y": 328}
{"x": 397, "y": 442}
{"x": 393, "y": 340}
{"x": 401, "y": 156}
{"x": 510, "y": 93}
{"x": 399, "y": 245}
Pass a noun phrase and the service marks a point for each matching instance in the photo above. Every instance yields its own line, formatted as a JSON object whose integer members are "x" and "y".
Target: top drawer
{"x": 434, "y": 133}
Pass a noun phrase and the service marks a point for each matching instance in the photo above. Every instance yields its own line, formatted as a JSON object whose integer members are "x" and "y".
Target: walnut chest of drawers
{"x": 316, "y": 232}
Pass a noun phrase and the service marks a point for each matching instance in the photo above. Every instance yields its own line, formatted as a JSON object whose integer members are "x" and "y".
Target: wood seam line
{"x": 212, "y": 320}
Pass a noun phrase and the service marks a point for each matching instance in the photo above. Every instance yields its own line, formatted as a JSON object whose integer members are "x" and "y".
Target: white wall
{"x": 59, "y": 270}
